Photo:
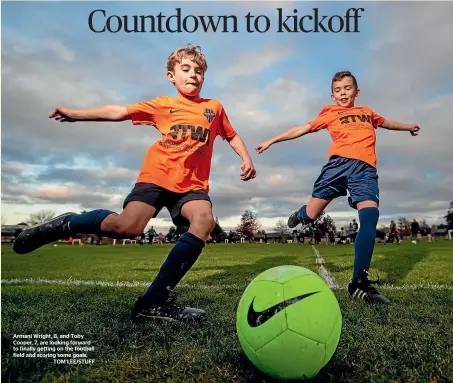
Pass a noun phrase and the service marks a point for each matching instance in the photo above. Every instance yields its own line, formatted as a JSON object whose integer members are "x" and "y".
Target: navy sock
{"x": 180, "y": 259}
{"x": 304, "y": 216}
{"x": 87, "y": 223}
{"x": 365, "y": 240}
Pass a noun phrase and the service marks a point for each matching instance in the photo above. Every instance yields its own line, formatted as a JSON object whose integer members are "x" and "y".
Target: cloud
{"x": 415, "y": 49}
{"x": 94, "y": 165}
{"x": 245, "y": 65}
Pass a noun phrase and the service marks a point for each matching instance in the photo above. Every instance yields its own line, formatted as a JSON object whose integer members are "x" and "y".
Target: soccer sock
{"x": 304, "y": 216}
{"x": 180, "y": 259}
{"x": 364, "y": 243}
{"x": 88, "y": 223}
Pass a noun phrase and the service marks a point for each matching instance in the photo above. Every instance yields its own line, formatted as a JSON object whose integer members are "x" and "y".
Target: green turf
{"x": 409, "y": 341}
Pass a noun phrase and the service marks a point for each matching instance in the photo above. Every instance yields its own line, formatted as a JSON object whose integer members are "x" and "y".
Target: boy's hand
{"x": 413, "y": 129}
{"x": 263, "y": 146}
{"x": 61, "y": 114}
{"x": 248, "y": 170}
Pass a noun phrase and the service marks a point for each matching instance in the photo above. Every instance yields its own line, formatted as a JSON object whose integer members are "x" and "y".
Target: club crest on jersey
{"x": 209, "y": 114}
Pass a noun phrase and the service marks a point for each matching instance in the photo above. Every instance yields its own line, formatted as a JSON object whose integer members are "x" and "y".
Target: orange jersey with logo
{"x": 181, "y": 160}
{"x": 352, "y": 131}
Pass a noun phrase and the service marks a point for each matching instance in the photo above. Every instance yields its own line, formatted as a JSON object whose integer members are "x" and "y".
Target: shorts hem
{"x": 353, "y": 202}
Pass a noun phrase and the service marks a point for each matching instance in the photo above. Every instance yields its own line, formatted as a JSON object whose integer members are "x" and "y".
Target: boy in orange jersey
{"x": 174, "y": 174}
{"x": 351, "y": 167}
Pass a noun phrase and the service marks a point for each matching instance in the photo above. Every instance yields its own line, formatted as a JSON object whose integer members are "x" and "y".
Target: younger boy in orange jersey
{"x": 351, "y": 167}
{"x": 174, "y": 174}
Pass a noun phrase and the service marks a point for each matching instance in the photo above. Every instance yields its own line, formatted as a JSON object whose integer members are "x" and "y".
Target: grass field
{"x": 89, "y": 290}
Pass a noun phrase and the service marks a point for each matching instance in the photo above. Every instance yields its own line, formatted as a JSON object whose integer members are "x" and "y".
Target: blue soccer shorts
{"x": 341, "y": 175}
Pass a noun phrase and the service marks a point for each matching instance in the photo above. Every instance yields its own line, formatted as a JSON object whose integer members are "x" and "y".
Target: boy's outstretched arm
{"x": 290, "y": 134}
{"x": 394, "y": 125}
{"x": 103, "y": 113}
{"x": 247, "y": 167}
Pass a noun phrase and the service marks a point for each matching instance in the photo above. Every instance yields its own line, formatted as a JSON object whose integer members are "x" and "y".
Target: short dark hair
{"x": 341, "y": 75}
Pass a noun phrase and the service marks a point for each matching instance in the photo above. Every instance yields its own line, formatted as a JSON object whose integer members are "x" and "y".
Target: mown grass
{"x": 409, "y": 341}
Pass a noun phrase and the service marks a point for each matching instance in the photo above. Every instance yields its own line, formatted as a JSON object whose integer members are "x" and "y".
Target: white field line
{"x": 74, "y": 282}
{"x": 328, "y": 278}
{"x": 129, "y": 284}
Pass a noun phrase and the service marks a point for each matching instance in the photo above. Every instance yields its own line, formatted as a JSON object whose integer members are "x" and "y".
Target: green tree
{"x": 449, "y": 217}
{"x": 171, "y": 233}
{"x": 423, "y": 226}
{"x": 218, "y": 233}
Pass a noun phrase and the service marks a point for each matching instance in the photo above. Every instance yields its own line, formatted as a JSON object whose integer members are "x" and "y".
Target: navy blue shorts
{"x": 341, "y": 175}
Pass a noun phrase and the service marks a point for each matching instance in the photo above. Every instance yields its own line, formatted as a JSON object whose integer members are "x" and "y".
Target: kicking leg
{"x": 331, "y": 183}
{"x": 130, "y": 222}
{"x": 157, "y": 302}
{"x": 308, "y": 213}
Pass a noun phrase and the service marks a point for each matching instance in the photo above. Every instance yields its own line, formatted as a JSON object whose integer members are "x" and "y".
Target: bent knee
{"x": 128, "y": 229}
{"x": 205, "y": 222}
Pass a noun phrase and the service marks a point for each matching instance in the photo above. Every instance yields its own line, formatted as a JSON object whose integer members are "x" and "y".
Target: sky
{"x": 267, "y": 82}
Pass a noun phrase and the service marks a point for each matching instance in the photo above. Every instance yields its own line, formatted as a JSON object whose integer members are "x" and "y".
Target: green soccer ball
{"x": 289, "y": 322}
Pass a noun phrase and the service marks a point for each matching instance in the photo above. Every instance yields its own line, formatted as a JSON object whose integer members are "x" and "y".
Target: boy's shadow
{"x": 397, "y": 264}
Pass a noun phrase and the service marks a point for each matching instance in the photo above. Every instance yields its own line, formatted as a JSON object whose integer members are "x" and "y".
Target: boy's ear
{"x": 171, "y": 77}
{"x": 332, "y": 97}
{"x": 357, "y": 92}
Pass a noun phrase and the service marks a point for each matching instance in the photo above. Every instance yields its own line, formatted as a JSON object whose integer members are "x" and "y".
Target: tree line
{"x": 249, "y": 225}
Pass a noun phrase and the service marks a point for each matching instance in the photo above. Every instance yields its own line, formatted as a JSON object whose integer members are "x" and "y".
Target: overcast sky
{"x": 268, "y": 83}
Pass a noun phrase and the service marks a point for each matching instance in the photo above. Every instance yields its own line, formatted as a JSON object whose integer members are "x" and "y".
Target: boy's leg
{"x": 331, "y": 183}
{"x": 308, "y": 213}
{"x": 366, "y": 237}
{"x": 364, "y": 191}
{"x": 143, "y": 203}
{"x": 195, "y": 209}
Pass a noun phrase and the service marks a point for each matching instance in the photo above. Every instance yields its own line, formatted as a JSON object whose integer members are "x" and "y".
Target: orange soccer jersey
{"x": 352, "y": 131}
{"x": 181, "y": 160}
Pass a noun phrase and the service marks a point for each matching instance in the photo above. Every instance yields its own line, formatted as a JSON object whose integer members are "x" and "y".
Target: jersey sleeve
{"x": 145, "y": 112}
{"x": 226, "y": 130}
{"x": 321, "y": 121}
{"x": 376, "y": 119}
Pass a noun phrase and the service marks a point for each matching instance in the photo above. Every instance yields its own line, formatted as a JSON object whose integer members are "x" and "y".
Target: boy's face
{"x": 344, "y": 92}
{"x": 187, "y": 76}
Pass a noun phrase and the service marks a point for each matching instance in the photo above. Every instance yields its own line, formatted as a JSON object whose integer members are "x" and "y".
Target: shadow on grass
{"x": 245, "y": 273}
{"x": 330, "y": 373}
{"x": 397, "y": 264}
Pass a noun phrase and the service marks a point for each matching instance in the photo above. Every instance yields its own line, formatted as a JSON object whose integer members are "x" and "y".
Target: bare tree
{"x": 40, "y": 216}
{"x": 282, "y": 228}
{"x": 403, "y": 223}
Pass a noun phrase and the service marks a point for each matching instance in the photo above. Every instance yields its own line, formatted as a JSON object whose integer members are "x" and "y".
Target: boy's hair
{"x": 192, "y": 51}
{"x": 340, "y": 75}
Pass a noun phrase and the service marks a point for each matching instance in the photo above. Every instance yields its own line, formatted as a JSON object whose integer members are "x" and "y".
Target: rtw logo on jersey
{"x": 351, "y": 118}
{"x": 180, "y": 132}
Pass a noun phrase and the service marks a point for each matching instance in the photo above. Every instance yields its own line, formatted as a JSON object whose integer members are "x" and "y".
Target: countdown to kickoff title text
{"x": 100, "y": 21}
